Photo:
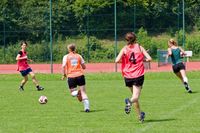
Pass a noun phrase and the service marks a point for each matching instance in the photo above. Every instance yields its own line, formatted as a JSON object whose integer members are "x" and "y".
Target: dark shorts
{"x": 176, "y": 68}
{"x": 77, "y": 81}
{"x": 134, "y": 81}
{"x": 26, "y": 72}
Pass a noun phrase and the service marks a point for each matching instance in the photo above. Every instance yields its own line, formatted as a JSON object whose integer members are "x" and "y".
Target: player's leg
{"x": 23, "y": 82}
{"x": 185, "y": 80}
{"x": 72, "y": 86}
{"x": 136, "y": 90}
{"x": 135, "y": 100}
{"x": 83, "y": 96}
{"x": 178, "y": 74}
{"x": 128, "y": 102}
{"x": 39, "y": 88}
{"x": 176, "y": 70}
{"x": 85, "y": 99}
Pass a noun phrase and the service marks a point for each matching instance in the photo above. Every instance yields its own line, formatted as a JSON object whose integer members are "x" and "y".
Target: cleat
{"x": 21, "y": 88}
{"x": 79, "y": 96}
{"x": 142, "y": 116}
{"x": 189, "y": 91}
{"x": 128, "y": 106}
{"x": 40, "y": 88}
{"x": 87, "y": 110}
{"x": 187, "y": 87}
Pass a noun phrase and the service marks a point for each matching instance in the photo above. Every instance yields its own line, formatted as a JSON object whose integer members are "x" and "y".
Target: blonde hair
{"x": 173, "y": 42}
{"x": 72, "y": 47}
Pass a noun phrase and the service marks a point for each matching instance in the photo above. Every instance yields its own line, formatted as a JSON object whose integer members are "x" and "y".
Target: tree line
{"x": 30, "y": 19}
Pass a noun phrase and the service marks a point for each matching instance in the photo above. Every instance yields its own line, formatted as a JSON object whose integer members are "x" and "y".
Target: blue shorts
{"x": 26, "y": 72}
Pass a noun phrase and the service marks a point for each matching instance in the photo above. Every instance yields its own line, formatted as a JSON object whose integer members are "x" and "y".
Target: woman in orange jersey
{"x": 132, "y": 56}
{"x": 72, "y": 66}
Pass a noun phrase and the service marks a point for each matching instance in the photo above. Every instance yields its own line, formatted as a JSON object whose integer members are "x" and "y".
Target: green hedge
{"x": 97, "y": 50}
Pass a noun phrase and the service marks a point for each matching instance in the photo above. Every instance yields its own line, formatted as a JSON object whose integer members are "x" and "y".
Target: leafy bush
{"x": 97, "y": 50}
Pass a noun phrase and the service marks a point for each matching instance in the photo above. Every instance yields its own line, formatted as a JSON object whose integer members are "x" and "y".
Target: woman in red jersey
{"x": 132, "y": 56}
{"x": 73, "y": 65}
{"x": 24, "y": 68}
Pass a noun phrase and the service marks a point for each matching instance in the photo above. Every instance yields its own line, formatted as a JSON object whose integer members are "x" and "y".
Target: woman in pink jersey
{"x": 132, "y": 56}
{"x": 24, "y": 68}
{"x": 73, "y": 65}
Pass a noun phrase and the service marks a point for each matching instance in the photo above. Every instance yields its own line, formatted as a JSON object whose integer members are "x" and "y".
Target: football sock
{"x": 38, "y": 87}
{"x": 86, "y": 104}
{"x": 131, "y": 100}
{"x": 185, "y": 79}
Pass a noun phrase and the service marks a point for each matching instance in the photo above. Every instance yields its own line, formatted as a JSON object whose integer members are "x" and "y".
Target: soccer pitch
{"x": 168, "y": 107}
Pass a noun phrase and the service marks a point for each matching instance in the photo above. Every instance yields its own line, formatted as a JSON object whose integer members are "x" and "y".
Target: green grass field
{"x": 169, "y": 108}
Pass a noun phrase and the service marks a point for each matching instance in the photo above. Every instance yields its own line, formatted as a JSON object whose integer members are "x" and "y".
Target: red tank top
{"x": 22, "y": 64}
{"x": 132, "y": 61}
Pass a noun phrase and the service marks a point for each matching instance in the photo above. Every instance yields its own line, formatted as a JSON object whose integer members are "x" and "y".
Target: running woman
{"x": 132, "y": 56}
{"x": 24, "y": 68}
{"x": 72, "y": 67}
{"x": 178, "y": 67}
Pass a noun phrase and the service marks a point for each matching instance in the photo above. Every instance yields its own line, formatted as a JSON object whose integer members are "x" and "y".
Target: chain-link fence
{"x": 98, "y": 30}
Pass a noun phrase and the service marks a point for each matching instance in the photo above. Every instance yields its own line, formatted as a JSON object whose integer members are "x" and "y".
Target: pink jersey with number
{"x": 132, "y": 61}
{"x": 22, "y": 64}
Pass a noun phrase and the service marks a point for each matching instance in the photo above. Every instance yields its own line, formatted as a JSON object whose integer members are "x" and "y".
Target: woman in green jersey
{"x": 178, "y": 67}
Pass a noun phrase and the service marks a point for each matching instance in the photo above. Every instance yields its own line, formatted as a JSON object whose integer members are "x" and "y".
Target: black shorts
{"x": 26, "y": 72}
{"x": 176, "y": 68}
{"x": 73, "y": 82}
{"x": 134, "y": 81}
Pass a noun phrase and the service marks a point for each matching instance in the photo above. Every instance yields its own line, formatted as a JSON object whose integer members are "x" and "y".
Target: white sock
{"x": 74, "y": 93}
{"x": 185, "y": 79}
{"x": 86, "y": 104}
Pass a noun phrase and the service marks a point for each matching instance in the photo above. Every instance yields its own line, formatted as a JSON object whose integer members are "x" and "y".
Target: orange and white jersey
{"x": 72, "y": 64}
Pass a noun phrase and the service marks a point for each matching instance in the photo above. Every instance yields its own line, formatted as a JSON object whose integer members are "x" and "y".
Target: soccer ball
{"x": 42, "y": 100}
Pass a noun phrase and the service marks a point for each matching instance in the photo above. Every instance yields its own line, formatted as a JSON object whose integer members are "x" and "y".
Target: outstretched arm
{"x": 148, "y": 57}
{"x": 119, "y": 57}
{"x": 182, "y": 51}
{"x": 64, "y": 62}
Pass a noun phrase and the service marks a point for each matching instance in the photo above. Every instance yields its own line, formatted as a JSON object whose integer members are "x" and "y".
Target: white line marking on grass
{"x": 178, "y": 109}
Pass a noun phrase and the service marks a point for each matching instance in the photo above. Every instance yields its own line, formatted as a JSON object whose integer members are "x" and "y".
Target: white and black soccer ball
{"x": 43, "y": 100}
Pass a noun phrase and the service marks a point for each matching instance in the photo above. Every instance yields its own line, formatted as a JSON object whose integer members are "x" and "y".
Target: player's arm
{"x": 19, "y": 56}
{"x": 119, "y": 57}
{"x": 182, "y": 51}
{"x": 64, "y": 65}
{"x": 169, "y": 52}
{"x": 83, "y": 63}
{"x": 148, "y": 57}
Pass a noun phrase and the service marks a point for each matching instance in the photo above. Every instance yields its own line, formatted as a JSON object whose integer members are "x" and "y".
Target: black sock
{"x": 38, "y": 86}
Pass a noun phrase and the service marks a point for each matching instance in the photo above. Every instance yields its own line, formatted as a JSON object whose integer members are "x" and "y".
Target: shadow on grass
{"x": 158, "y": 120}
{"x": 94, "y": 111}
{"x": 193, "y": 92}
